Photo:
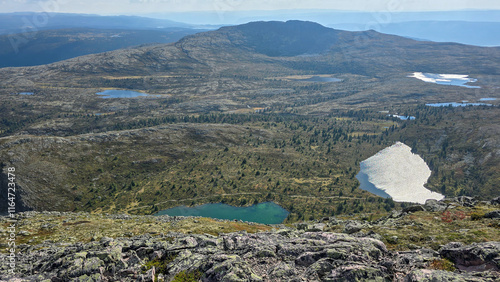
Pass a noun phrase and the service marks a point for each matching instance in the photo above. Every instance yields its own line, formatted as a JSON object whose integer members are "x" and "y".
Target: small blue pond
{"x": 455, "y": 104}
{"x": 406, "y": 117}
{"x": 266, "y": 213}
{"x": 319, "y": 79}
{"x": 26, "y": 93}
{"x": 459, "y": 82}
{"x": 123, "y": 94}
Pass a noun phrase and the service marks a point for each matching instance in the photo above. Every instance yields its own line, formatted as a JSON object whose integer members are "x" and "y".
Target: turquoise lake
{"x": 122, "y": 94}
{"x": 266, "y": 213}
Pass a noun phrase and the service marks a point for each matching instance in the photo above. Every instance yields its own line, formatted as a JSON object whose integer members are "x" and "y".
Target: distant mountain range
{"x": 475, "y": 27}
{"x": 298, "y": 45}
{"x": 472, "y": 33}
{"x": 27, "y": 41}
{"x": 29, "y": 22}
{"x": 50, "y": 46}
{"x": 328, "y": 17}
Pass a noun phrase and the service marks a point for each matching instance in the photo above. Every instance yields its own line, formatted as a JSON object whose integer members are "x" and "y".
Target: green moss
{"x": 160, "y": 265}
{"x": 476, "y": 215}
{"x": 188, "y": 276}
{"x": 442, "y": 264}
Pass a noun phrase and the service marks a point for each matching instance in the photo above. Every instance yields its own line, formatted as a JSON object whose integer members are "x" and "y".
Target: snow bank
{"x": 400, "y": 173}
{"x": 445, "y": 79}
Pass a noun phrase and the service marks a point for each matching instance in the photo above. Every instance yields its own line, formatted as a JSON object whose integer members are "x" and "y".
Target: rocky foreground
{"x": 282, "y": 255}
{"x": 303, "y": 252}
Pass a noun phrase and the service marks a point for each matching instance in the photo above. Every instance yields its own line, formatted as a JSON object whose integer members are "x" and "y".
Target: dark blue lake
{"x": 266, "y": 213}
{"x": 365, "y": 184}
{"x": 122, "y": 94}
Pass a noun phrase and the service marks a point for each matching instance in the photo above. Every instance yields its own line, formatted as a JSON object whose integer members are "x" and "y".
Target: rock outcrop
{"x": 475, "y": 257}
{"x": 330, "y": 249}
{"x": 280, "y": 255}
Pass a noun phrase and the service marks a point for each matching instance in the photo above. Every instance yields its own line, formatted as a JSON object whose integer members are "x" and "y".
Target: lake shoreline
{"x": 264, "y": 213}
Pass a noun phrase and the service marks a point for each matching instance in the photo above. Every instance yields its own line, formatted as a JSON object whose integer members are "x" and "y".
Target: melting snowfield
{"x": 399, "y": 173}
{"x": 403, "y": 117}
{"x": 445, "y": 79}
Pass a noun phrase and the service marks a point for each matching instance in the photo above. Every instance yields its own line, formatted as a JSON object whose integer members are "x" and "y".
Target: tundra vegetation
{"x": 242, "y": 126}
{"x": 235, "y": 118}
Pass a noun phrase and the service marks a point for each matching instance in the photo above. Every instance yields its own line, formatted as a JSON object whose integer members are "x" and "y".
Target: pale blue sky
{"x": 142, "y": 7}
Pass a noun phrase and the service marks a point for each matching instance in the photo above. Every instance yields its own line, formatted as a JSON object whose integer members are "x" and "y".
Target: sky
{"x": 144, "y": 7}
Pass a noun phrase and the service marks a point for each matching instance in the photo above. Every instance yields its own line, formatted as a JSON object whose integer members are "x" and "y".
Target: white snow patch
{"x": 400, "y": 173}
{"x": 445, "y": 79}
{"x": 403, "y": 117}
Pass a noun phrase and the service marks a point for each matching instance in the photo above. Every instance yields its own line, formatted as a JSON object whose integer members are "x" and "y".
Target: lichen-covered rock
{"x": 415, "y": 258}
{"x": 282, "y": 255}
{"x": 495, "y": 201}
{"x": 464, "y": 201}
{"x": 415, "y": 208}
{"x": 427, "y": 275}
{"x": 435, "y": 205}
{"x": 92, "y": 265}
{"x": 493, "y": 214}
{"x": 320, "y": 268}
{"x": 475, "y": 257}
{"x": 352, "y": 227}
{"x": 232, "y": 269}
{"x": 282, "y": 272}
{"x": 308, "y": 258}
{"x": 358, "y": 272}
{"x": 186, "y": 259}
{"x": 311, "y": 227}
